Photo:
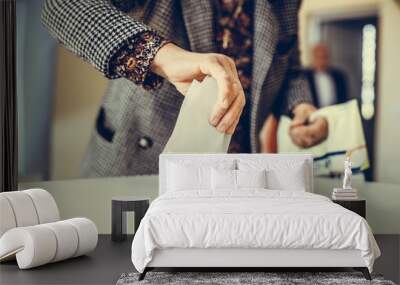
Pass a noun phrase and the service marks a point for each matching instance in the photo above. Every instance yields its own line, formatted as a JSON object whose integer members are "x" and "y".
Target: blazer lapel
{"x": 199, "y": 23}
{"x": 265, "y": 37}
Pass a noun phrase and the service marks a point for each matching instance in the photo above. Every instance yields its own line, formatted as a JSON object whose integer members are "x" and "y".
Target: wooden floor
{"x": 110, "y": 260}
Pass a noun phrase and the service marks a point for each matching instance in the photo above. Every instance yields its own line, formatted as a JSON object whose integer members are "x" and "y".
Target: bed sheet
{"x": 250, "y": 218}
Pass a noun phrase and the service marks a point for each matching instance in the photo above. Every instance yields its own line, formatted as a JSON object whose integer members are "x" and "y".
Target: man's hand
{"x": 304, "y": 133}
{"x": 181, "y": 67}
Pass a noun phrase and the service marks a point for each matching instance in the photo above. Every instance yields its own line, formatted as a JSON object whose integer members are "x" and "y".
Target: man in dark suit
{"x": 152, "y": 51}
{"x": 328, "y": 85}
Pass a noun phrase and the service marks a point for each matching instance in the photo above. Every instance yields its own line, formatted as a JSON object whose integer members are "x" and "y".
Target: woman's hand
{"x": 181, "y": 67}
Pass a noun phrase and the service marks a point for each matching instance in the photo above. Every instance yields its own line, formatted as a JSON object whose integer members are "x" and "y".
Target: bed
{"x": 247, "y": 211}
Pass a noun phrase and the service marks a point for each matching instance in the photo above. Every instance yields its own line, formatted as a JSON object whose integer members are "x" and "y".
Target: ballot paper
{"x": 346, "y": 138}
{"x": 193, "y": 132}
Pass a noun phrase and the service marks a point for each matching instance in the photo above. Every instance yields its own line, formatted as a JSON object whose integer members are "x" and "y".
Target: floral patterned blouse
{"x": 234, "y": 30}
{"x": 234, "y": 37}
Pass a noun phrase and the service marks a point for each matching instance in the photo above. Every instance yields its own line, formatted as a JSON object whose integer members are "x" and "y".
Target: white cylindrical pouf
{"x": 23, "y": 208}
{"x": 40, "y": 244}
{"x": 67, "y": 239}
{"x": 7, "y": 218}
{"x": 45, "y": 205}
{"x": 87, "y": 234}
{"x": 34, "y": 245}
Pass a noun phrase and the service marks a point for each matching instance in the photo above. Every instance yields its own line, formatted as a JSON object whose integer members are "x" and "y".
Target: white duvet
{"x": 250, "y": 219}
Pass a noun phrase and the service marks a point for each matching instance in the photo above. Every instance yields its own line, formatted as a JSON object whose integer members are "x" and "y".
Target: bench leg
{"x": 364, "y": 271}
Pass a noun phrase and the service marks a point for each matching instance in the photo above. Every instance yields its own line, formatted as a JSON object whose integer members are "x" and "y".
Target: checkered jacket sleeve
{"x": 93, "y": 29}
{"x": 298, "y": 90}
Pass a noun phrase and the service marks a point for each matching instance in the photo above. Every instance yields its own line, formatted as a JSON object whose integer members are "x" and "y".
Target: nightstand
{"x": 357, "y": 206}
{"x": 121, "y": 205}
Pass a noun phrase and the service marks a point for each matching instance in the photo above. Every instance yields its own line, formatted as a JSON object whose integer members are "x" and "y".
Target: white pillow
{"x": 227, "y": 179}
{"x": 223, "y": 179}
{"x": 193, "y": 175}
{"x": 281, "y": 175}
{"x": 251, "y": 178}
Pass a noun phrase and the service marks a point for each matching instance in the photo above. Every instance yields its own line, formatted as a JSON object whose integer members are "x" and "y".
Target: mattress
{"x": 250, "y": 219}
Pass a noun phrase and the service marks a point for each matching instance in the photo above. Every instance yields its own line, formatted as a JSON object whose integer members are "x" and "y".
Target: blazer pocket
{"x": 102, "y": 129}
{"x": 286, "y": 44}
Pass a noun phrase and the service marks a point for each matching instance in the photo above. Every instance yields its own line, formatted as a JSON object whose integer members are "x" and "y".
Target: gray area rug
{"x": 269, "y": 278}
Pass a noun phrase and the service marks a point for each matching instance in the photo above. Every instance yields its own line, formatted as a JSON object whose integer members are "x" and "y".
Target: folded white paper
{"x": 193, "y": 132}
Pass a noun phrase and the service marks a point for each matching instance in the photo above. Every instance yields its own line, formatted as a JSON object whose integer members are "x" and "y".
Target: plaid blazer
{"x": 133, "y": 124}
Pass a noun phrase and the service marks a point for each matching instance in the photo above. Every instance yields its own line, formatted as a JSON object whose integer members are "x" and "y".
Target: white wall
{"x": 387, "y": 165}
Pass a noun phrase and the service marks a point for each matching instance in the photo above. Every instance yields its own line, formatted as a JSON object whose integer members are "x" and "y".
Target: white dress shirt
{"x": 326, "y": 91}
